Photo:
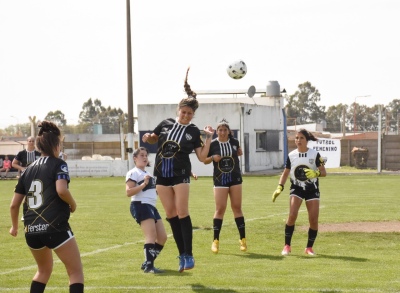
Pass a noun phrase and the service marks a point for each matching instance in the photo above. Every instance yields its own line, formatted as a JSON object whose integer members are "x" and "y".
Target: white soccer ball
{"x": 237, "y": 69}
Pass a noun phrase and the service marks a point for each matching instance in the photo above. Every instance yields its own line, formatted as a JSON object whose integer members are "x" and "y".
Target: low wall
{"x": 80, "y": 168}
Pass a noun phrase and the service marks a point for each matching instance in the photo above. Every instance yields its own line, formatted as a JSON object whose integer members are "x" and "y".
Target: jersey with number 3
{"x": 44, "y": 211}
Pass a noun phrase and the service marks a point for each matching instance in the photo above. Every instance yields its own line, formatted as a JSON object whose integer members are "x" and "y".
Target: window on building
{"x": 267, "y": 140}
{"x": 261, "y": 140}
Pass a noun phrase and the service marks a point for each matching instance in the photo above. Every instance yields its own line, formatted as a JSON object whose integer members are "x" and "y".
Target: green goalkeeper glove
{"x": 310, "y": 173}
{"x": 278, "y": 191}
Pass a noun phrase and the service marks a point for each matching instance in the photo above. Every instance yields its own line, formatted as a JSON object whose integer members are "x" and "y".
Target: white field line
{"x": 202, "y": 288}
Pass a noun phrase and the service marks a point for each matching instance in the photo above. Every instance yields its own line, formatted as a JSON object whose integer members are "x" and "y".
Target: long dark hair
{"x": 48, "y": 138}
{"x": 308, "y": 135}
{"x": 191, "y": 100}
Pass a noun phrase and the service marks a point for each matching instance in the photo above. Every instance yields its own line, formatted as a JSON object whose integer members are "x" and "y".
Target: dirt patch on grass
{"x": 367, "y": 227}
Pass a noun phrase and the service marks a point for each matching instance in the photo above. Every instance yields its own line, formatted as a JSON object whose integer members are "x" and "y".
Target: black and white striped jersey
{"x": 175, "y": 142}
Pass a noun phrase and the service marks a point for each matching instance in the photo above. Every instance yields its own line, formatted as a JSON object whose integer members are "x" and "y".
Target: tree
{"x": 110, "y": 119}
{"x": 302, "y": 105}
{"x": 334, "y": 118}
{"x": 392, "y": 114}
{"x": 90, "y": 111}
{"x": 56, "y": 117}
{"x": 94, "y": 113}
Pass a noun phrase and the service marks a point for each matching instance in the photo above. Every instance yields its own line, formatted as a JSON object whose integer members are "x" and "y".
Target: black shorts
{"x": 227, "y": 180}
{"x": 305, "y": 194}
{"x": 172, "y": 181}
{"x": 143, "y": 211}
{"x": 50, "y": 240}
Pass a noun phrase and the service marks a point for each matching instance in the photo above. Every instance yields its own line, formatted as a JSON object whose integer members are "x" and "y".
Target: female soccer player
{"x": 224, "y": 153}
{"x": 177, "y": 138}
{"x": 26, "y": 157}
{"x": 304, "y": 166}
{"x": 43, "y": 187}
{"x": 141, "y": 187}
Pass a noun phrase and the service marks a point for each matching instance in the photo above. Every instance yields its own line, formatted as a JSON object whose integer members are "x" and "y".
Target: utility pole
{"x": 131, "y": 121}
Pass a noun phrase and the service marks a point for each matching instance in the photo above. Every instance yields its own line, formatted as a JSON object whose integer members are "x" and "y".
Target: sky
{"x": 56, "y": 55}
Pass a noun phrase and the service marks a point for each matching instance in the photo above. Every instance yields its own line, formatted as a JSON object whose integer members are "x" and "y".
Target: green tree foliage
{"x": 392, "y": 112}
{"x": 56, "y": 117}
{"x": 93, "y": 113}
{"x": 90, "y": 111}
{"x": 334, "y": 118}
{"x": 303, "y": 106}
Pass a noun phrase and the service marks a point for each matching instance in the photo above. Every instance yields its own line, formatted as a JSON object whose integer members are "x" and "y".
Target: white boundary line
{"x": 206, "y": 289}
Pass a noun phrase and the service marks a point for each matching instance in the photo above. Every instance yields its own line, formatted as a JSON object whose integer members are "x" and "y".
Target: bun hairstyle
{"x": 224, "y": 122}
{"x": 48, "y": 138}
{"x": 308, "y": 135}
{"x": 191, "y": 100}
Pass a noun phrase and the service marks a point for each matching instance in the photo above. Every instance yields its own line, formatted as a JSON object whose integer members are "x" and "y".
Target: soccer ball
{"x": 237, "y": 69}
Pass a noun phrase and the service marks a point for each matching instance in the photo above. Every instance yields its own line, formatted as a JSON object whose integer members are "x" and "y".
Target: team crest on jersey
{"x": 64, "y": 168}
{"x": 188, "y": 136}
{"x": 235, "y": 147}
{"x": 311, "y": 161}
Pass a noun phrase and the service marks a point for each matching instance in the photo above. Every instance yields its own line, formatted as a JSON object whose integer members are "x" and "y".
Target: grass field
{"x": 111, "y": 243}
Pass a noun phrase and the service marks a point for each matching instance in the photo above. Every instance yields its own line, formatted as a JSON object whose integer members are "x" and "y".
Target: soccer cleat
{"x": 286, "y": 250}
{"x": 152, "y": 270}
{"x": 309, "y": 251}
{"x": 189, "y": 262}
{"x": 215, "y": 246}
{"x": 181, "y": 263}
{"x": 243, "y": 244}
{"x": 143, "y": 266}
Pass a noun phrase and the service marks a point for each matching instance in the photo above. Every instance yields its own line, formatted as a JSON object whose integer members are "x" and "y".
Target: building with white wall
{"x": 257, "y": 122}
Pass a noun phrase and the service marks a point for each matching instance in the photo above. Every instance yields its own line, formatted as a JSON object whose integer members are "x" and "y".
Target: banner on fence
{"x": 329, "y": 149}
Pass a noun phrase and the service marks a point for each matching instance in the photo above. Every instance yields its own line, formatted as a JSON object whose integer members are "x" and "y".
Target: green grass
{"x": 111, "y": 243}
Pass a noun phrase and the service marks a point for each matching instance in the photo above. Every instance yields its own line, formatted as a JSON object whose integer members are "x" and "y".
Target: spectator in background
{"x": 26, "y": 157}
{"x": 62, "y": 155}
{"x": 6, "y": 166}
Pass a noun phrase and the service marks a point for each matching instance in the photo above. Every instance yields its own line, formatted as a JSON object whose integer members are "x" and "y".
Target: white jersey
{"x": 146, "y": 195}
{"x": 297, "y": 162}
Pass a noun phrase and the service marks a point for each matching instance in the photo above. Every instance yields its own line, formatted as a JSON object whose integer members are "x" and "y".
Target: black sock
{"x": 241, "y": 227}
{"x": 37, "y": 287}
{"x": 187, "y": 233}
{"x": 312, "y": 235}
{"x": 149, "y": 254}
{"x": 288, "y": 234}
{"x": 76, "y": 288}
{"x": 217, "y": 225}
{"x": 157, "y": 249}
{"x": 177, "y": 232}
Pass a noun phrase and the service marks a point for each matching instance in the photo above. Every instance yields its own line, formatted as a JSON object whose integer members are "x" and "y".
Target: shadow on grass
{"x": 346, "y": 258}
{"x": 187, "y": 273}
{"x": 280, "y": 257}
{"x": 260, "y": 256}
{"x": 201, "y": 288}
